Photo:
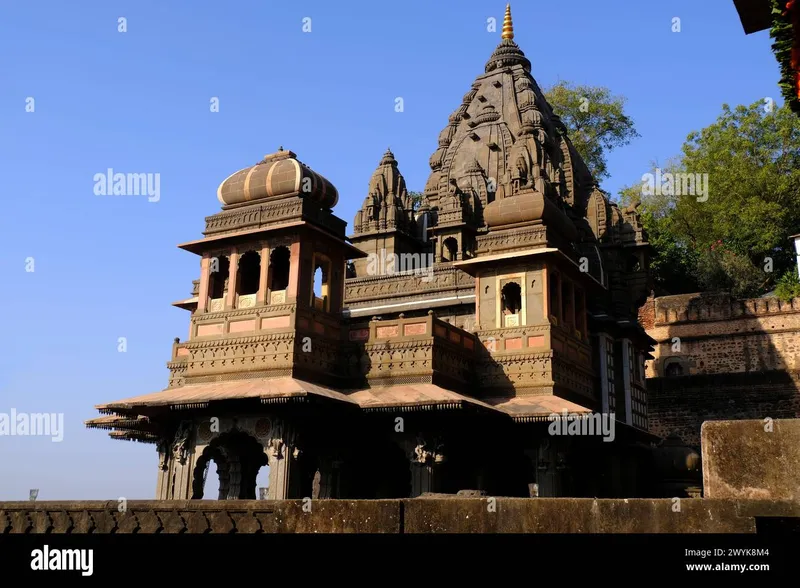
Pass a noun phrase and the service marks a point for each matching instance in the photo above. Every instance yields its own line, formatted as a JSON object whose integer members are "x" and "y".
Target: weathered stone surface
{"x": 752, "y": 459}
{"x": 573, "y": 515}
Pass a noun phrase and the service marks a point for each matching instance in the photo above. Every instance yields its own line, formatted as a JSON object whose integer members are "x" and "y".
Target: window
{"x": 450, "y": 249}
{"x": 218, "y": 272}
{"x": 279, "y": 269}
{"x": 321, "y": 285}
{"x": 510, "y": 304}
{"x": 249, "y": 273}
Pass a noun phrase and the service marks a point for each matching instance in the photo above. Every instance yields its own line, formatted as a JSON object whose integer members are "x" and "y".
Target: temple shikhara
{"x": 430, "y": 350}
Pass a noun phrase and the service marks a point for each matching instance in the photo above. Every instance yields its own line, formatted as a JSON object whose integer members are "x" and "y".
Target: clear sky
{"x": 106, "y": 267}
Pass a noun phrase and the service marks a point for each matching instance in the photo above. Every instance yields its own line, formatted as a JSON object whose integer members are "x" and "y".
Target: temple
{"x": 455, "y": 343}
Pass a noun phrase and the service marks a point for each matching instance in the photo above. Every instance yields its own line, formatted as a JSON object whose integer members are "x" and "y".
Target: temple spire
{"x": 508, "y": 26}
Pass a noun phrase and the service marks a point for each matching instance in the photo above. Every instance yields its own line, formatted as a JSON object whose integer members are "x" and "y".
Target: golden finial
{"x": 508, "y": 26}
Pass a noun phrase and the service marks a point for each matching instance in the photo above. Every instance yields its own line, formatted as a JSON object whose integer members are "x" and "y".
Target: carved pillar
{"x": 234, "y": 477}
{"x": 163, "y": 485}
{"x": 425, "y": 461}
{"x": 233, "y": 280}
{"x": 202, "y": 293}
{"x": 279, "y": 465}
{"x": 263, "y": 279}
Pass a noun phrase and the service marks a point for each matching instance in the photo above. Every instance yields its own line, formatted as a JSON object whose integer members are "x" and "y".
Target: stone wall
{"x": 719, "y": 358}
{"x": 680, "y": 406}
{"x": 752, "y": 459}
{"x": 716, "y": 334}
{"x": 418, "y": 515}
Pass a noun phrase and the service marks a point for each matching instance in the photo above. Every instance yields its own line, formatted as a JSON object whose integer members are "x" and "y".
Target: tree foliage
{"x": 736, "y": 238}
{"x": 595, "y": 119}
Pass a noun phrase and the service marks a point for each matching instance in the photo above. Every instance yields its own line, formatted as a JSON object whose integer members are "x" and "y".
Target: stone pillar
{"x": 627, "y": 370}
{"x": 425, "y": 460}
{"x": 205, "y": 276}
{"x": 279, "y": 465}
{"x": 234, "y": 477}
{"x": 162, "y": 484}
{"x": 233, "y": 280}
{"x": 294, "y": 270}
{"x": 263, "y": 279}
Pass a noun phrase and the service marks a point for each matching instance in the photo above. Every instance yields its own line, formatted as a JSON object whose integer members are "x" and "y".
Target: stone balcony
{"x": 270, "y": 340}
{"x": 416, "y": 350}
{"x": 536, "y": 359}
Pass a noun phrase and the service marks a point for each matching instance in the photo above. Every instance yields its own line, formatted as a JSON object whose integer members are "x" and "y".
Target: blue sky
{"x": 107, "y": 267}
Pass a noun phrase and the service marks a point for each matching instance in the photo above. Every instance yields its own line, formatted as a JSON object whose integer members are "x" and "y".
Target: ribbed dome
{"x": 278, "y": 175}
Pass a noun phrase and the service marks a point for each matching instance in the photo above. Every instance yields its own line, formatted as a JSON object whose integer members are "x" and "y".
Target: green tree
{"x": 735, "y": 236}
{"x": 595, "y": 119}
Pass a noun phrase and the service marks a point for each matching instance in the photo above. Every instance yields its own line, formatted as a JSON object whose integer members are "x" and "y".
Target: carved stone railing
{"x": 246, "y": 301}
{"x": 440, "y": 514}
{"x": 420, "y": 349}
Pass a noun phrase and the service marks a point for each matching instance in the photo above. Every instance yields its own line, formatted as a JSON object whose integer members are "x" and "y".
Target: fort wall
{"x": 718, "y": 358}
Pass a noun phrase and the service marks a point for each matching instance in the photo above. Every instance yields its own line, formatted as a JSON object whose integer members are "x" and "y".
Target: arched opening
{"x": 249, "y": 277}
{"x": 511, "y": 304}
{"x": 279, "y": 274}
{"x": 237, "y": 458}
{"x": 450, "y": 249}
{"x": 321, "y": 285}
{"x": 674, "y": 370}
{"x": 218, "y": 273}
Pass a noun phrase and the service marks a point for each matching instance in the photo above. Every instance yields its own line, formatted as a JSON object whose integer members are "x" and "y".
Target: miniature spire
{"x": 508, "y": 26}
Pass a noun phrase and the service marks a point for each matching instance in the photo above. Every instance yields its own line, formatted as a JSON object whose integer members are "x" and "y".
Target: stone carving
{"x": 426, "y": 453}
{"x": 275, "y": 448}
{"x": 180, "y": 444}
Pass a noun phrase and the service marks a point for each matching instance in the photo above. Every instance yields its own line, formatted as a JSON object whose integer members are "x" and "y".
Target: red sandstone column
{"x": 233, "y": 280}
{"x": 294, "y": 270}
{"x": 263, "y": 279}
{"x": 202, "y": 292}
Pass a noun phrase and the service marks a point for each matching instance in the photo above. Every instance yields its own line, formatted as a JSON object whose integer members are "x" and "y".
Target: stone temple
{"x": 481, "y": 339}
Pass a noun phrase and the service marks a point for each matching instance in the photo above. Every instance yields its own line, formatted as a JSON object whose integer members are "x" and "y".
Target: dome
{"x": 278, "y": 175}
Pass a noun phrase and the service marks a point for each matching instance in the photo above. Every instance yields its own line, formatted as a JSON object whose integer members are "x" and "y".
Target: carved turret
{"x": 387, "y": 205}
{"x": 385, "y": 224}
